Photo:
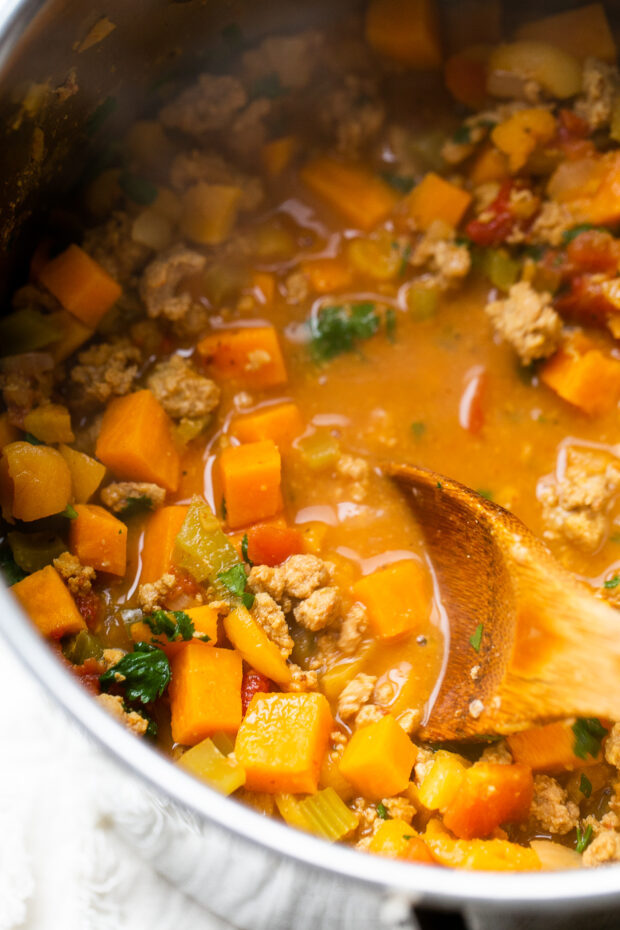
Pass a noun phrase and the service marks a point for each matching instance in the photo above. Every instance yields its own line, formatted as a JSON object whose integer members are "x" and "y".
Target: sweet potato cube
{"x": 437, "y": 199}
{"x": 251, "y": 355}
{"x": 160, "y": 534}
{"x": 251, "y": 482}
{"x": 398, "y": 599}
{"x": 209, "y": 212}
{"x": 281, "y": 423}
{"x": 49, "y": 423}
{"x": 205, "y": 692}
{"x": 480, "y": 855}
{"x": 81, "y": 285}
{"x": 327, "y": 274}
{"x": 442, "y": 781}
{"x": 378, "y": 759}
{"x": 99, "y": 539}
{"x": 489, "y": 795}
{"x": 397, "y": 839}
{"x": 35, "y": 481}
{"x": 86, "y": 473}
{"x": 405, "y": 31}
{"x": 549, "y": 748}
{"x": 590, "y": 381}
{"x": 46, "y": 599}
{"x": 282, "y": 741}
{"x": 135, "y": 441}
{"x": 357, "y": 194}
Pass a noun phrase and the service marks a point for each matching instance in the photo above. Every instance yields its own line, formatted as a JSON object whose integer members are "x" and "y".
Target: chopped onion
{"x": 152, "y": 229}
{"x": 554, "y": 856}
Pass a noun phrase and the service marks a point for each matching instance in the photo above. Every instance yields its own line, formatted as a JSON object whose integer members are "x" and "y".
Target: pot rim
{"x": 437, "y": 886}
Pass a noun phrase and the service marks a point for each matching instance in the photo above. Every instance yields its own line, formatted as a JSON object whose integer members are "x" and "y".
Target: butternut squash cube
{"x": 282, "y": 741}
{"x": 81, "y": 285}
{"x": 398, "y": 599}
{"x": 437, "y": 199}
{"x": 397, "y": 839}
{"x": 378, "y": 759}
{"x": 251, "y": 355}
{"x": 35, "y": 481}
{"x": 8, "y": 432}
{"x": 49, "y": 423}
{"x": 209, "y": 212}
{"x": 86, "y": 473}
{"x": 357, "y": 194}
{"x": 99, "y": 539}
{"x": 405, "y": 31}
{"x": 442, "y": 781}
{"x": 281, "y": 423}
{"x": 251, "y": 482}
{"x": 205, "y": 692}
{"x": 549, "y": 748}
{"x": 46, "y": 599}
{"x": 590, "y": 381}
{"x": 160, "y": 533}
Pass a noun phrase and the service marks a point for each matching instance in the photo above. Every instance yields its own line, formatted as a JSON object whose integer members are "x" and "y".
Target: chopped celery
{"x": 27, "y": 330}
{"x": 202, "y": 548}
{"x": 82, "y": 646}
{"x": 188, "y": 428}
{"x": 422, "y": 301}
{"x": 33, "y": 551}
{"x": 223, "y": 742}
{"x": 319, "y": 451}
{"x": 205, "y": 761}
{"x": 327, "y": 815}
{"x": 290, "y": 811}
{"x": 501, "y": 270}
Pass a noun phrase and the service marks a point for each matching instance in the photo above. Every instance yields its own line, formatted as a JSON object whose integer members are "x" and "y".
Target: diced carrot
{"x": 250, "y": 476}
{"x": 356, "y": 193}
{"x": 81, "y": 285}
{"x": 49, "y": 423}
{"x": 265, "y": 283}
{"x": 523, "y": 132}
{"x": 489, "y": 795}
{"x": 281, "y": 423}
{"x": 251, "y": 355}
{"x": 397, "y": 598}
{"x": 35, "y": 481}
{"x": 277, "y": 155}
{"x": 583, "y": 32}
{"x": 489, "y": 165}
{"x": 269, "y": 544}
{"x": 99, "y": 539}
{"x": 405, "y": 31}
{"x": 86, "y": 473}
{"x": 434, "y": 198}
{"x": 135, "y": 441}
{"x": 550, "y": 748}
{"x": 204, "y": 619}
{"x": 590, "y": 381}
{"x": 465, "y": 75}
{"x": 205, "y": 692}
{"x": 378, "y": 759}
{"x": 479, "y": 855}
{"x": 160, "y": 533}
{"x": 398, "y": 840}
{"x": 327, "y": 274}
{"x": 253, "y": 644}
{"x": 8, "y": 432}
{"x": 46, "y": 599}
{"x": 209, "y": 212}
{"x": 282, "y": 741}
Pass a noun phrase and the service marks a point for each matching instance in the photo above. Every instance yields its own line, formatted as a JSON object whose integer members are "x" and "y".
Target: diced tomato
{"x": 584, "y": 301}
{"x": 500, "y": 223}
{"x": 471, "y": 405}
{"x": 185, "y": 584}
{"x": 90, "y": 606}
{"x": 254, "y": 683}
{"x": 594, "y": 250}
{"x": 269, "y": 544}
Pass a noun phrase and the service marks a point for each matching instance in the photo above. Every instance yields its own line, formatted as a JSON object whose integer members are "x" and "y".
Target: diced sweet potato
{"x": 35, "y": 482}
{"x": 443, "y": 780}
{"x": 281, "y": 423}
{"x": 480, "y": 855}
{"x": 205, "y": 692}
{"x": 549, "y": 749}
{"x": 46, "y": 599}
{"x": 251, "y": 355}
{"x": 250, "y": 476}
{"x": 327, "y": 274}
{"x": 86, "y": 473}
{"x": 405, "y": 31}
{"x": 378, "y": 759}
{"x": 282, "y": 741}
{"x": 81, "y": 285}
{"x": 519, "y": 135}
{"x": 398, "y": 840}
{"x": 158, "y": 543}
{"x": 99, "y": 539}
{"x": 489, "y": 795}
{"x": 397, "y": 599}
{"x": 489, "y": 165}
{"x": 434, "y": 198}
{"x": 49, "y": 423}
{"x": 356, "y": 193}
{"x": 135, "y": 441}
{"x": 589, "y": 381}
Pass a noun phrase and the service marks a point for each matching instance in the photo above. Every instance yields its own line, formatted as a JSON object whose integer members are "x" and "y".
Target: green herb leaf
{"x": 10, "y": 570}
{"x": 476, "y": 638}
{"x": 418, "y": 428}
{"x": 403, "y": 183}
{"x": 569, "y": 234}
{"x": 267, "y": 86}
{"x": 439, "y": 485}
{"x": 145, "y": 674}
{"x": 136, "y": 505}
{"x": 484, "y": 492}
{"x": 584, "y": 838}
{"x": 390, "y": 324}
{"x": 69, "y": 512}
{"x": 611, "y": 583}
{"x": 585, "y": 786}
{"x": 462, "y": 136}
{"x": 28, "y": 437}
{"x": 244, "y": 551}
{"x": 174, "y": 624}
{"x": 235, "y": 580}
{"x": 138, "y": 189}
{"x": 382, "y": 811}
{"x": 336, "y": 329}
{"x": 589, "y": 733}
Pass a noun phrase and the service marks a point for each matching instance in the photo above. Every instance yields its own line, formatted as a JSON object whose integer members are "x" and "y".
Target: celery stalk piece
{"x": 81, "y": 647}
{"x": 422, "y": 302}
{"x": 27, "y": 330}
{"x": 328, "y": 816}
{"x": 501, "y": 270}
{"x": 33, "y": 551}
{"x": 205, "y": 761}
{"x": 223, "y": 742}
{"x": 321, "y": 450}
{"x": 291, "y": 812}
{"x": 202, "y": 549}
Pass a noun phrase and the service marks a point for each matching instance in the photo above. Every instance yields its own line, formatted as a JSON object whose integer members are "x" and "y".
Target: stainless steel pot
{"x": 54, "y": 99}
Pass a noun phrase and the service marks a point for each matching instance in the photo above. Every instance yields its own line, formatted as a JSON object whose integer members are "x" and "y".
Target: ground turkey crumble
{"x": 447, "y": 262}
{"x": 208, "y": 105}
{"x": 357, "y": 693}
{"x": 319, "y": 609}
{"x": 600, "y": 84}
{"x": 181, "y": 391}
{"x": 78, "y": 577}
{"x": 353, "y": 627}
{"x": 190, "y": 168}
{"x": 105, "y": 370}
{"x": 118, "y": 495}
{"x": 270, "y": 616}
{"x": 294, "y": 59}
{"x": 112, "y": 245}
{"x": 130, "y": 719}
{"x": 604, "y": 848}
{"x": 161, "y": 278}
{"x": 575, "y": 502}
{"x": 527, "y": 321}
{"x": 353, "y": 114}
{"x": 551, "y": 807}
{"x": 152, "y": 596}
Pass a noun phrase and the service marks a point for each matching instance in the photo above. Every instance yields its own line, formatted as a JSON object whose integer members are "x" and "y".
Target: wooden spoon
{"x": 548, "y": 648}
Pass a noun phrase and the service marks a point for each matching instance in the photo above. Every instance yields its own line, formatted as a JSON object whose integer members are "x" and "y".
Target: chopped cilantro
{"x": 403, "y": 183}
{"x": 439, "y": 485}
{"x": 69, "y": 512}
{"x": 418, "y": 428}
{"x": 135, "y": 505}
{"x": 462, "y": 136}
{"x": 476, "y": 638}
{"x": 143, "y": 674}
{"x": 382, "y": 811}
{"x": 588, "y": 732}
{"x": 336, "y": 329}
{"x": 390, "y": 324}
{"x": 267, "y": 86}
{"x": 584, "y": 838}
{"x": 408, "y": 836}
{"x": 151, "y": 730}
{"x": 235, "y": 580}
{"x": 569, "y": 234}
{"x": 585, "y": 786}
{"x": 484, "y": 492}
{"x": 99, "y": 115}
{"x": 28, "y": 437}
{"x": 138, "y": 189}
{"x": 174, "y": 624}
{"x": 244, "y": 551}
{"x": 10, "y": 570}
{"x": 611, "y": 583}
